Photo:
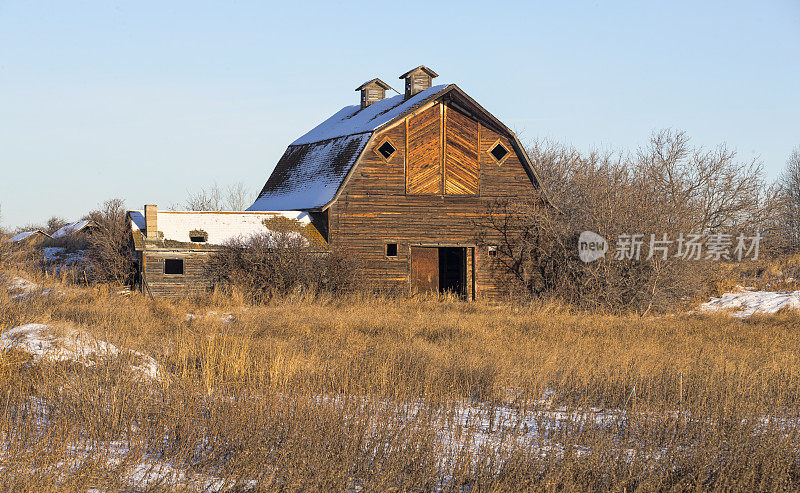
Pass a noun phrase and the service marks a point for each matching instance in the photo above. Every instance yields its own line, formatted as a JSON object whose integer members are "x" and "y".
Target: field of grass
{"x": 364, "y": 393}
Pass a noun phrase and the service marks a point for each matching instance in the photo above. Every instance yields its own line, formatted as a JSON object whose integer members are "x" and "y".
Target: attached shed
{"x": 404, "y": 183}
{"x": 29, "y": 238}
{"x": 84, "y": 227}
{"x": 172, "y": 246}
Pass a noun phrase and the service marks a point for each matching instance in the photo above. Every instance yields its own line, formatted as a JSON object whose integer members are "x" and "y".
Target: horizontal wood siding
{"x": 194, "y": 279}
{"x": 373, "y": 209}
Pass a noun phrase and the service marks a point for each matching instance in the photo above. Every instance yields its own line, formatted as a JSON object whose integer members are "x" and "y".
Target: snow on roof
{"x": 71, "y": 228}
{"x": 24, "y": 235}
{"x": 220, "y": 226}
{"x": 313, "y": 167}
{"x": 308, "y": 175}
{"x": 352, "y": 120}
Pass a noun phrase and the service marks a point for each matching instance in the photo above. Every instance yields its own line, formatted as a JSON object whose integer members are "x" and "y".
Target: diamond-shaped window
{"x": 499, "y": 152}
{"x": 386, "y": 150}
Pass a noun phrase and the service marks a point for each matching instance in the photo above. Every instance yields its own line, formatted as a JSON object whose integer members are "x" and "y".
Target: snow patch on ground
{"x": 227, "y": 317}
{"x": 746, "y": 303}
{"x": 58, "y": 259}
{"x": 43, "y": 342}
{"x": 21, "y": 289}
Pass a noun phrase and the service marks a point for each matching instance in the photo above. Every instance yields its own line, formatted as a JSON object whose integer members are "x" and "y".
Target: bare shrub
{"x": 110, "y": 249}
{"x": 667, "y": 187}
{"x": 54, "y": 224}
{"x": 235, "y": 197}
{"x": 277, "y": 263}
{"x": 789, "y": 202}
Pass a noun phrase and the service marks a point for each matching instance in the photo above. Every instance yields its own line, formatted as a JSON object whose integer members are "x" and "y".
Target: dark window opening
{"x": 198, "y": 236}
{"x": 493, "y": 250}
{"x": 173, "y": 266}
{"x": 391, "y": 249}
{"x": 386, "y": 149}
{"x": 499, "y": 152}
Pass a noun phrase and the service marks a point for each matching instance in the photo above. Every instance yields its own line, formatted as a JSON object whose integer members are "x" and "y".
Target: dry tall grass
{"x": 372, "y": 393}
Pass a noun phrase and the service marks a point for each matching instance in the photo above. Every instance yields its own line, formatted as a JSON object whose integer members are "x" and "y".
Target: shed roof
{"x": 422, "y": 68}
{"x": 220, "y": 226}
{"x": 72, "y": 228}
{"x": 26, "y": 235}
{"x": 375, "y": 81}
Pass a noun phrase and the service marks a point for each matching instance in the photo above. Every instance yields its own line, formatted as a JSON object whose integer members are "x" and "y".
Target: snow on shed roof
{"x": 354, "y": 120}
{"x": 71, "y": 228}
{"x": 25, "y": 235}
{"x": 221, "y": 226}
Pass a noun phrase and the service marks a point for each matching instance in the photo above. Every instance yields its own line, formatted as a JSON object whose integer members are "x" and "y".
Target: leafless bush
{"x": 788, "y": 204}
{"x": 667, "y": 187}
{"x": 110, "y": 255}
{"x": 54, "y": 224}
{"x": 277, "y": 263}
{"x": 235, "y": 197}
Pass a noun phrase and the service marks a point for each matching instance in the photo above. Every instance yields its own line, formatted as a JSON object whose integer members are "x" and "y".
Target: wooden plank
{"x": 425, "y": 269}
{"x": 462, "y": 168}
{"x": 423, "y": 154}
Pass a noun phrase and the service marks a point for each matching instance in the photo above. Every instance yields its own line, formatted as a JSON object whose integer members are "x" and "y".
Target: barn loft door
{"x": 425, "y": 269}
{"x": 461, "y": 167}
{"x": 424, "y": 157}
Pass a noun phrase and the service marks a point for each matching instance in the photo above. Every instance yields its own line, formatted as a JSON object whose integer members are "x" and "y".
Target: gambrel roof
{"x": 314, "y": 167}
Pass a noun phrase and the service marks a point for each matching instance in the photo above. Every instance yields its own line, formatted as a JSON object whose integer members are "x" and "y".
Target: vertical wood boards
{"x": 423, "y": 159}
{"x": 425, "y": 269}
{"x": 442, "y": 153}
{"x": 461, "y": 167}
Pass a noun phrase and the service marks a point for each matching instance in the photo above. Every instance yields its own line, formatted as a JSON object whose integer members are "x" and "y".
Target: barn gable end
{"x": 403, "y": 184}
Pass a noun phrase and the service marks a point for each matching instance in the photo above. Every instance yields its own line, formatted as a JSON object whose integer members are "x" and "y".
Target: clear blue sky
{"x": 145, "y": 100}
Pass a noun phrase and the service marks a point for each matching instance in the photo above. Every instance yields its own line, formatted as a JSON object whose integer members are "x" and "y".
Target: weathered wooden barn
{"x": 171, "y": 247}
{"x": 403, "y": 184}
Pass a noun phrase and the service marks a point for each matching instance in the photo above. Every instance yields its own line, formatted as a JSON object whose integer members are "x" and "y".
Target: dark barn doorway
{"x": 440, "y": 269}
{"x": 453, "y": 270}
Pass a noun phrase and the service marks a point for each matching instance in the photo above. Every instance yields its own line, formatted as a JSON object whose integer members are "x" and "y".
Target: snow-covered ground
{"x": 58, "y": 259}
{"x": 49, "y": 343}
{"x": 21, "y": 289}
{"x": 745, "y": 303}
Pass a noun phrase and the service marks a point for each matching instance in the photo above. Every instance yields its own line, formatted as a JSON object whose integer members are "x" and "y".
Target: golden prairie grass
{"x": 370, "y": 392}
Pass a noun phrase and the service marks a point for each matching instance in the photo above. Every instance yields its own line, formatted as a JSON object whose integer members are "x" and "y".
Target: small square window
{"x": 173, "y": 266}
{"x": 492, "y": 250}
{"x": 391, "y": 250}
{"x": 198, "y": 236}
{"x": 499, "y": 152}
{"x": 386, "y": 150}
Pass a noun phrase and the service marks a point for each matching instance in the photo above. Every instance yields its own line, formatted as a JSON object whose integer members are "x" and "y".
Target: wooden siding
{"x": 424, "y": 162}
{"x": 193, "y": 281}
{"x": 461, "y": 167}
{"x": 374, "y": 209}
